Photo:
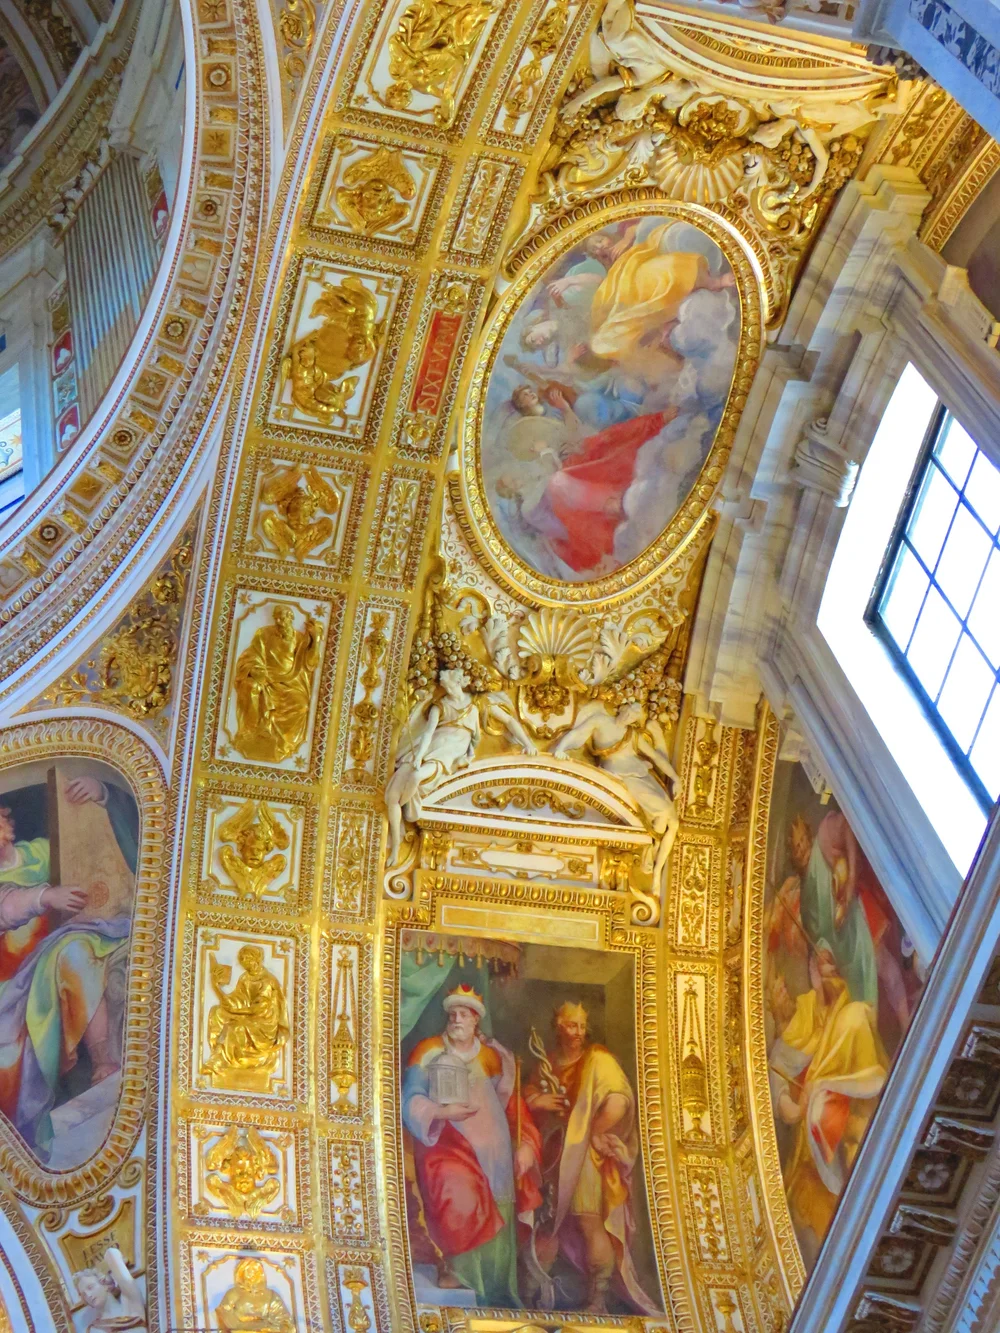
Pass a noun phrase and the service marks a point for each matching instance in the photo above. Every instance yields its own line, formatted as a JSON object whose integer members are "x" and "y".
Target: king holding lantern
{"x": 476, "y": 1152}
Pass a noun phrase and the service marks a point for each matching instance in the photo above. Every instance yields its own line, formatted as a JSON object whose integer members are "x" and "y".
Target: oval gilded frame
{"x": 121, "y": 749}
{"x": 472, "y": 506}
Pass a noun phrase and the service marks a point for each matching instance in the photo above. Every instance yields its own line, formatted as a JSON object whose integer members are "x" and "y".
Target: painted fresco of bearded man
{"x": 590, "y": 1151}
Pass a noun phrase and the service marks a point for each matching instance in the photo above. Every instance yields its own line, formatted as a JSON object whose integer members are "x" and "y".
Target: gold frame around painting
{"x": 501, "y": 906}
{"x": 120, "y": 748}
{"x": 779, "y": 1218}
{"x": 472, "y": 505}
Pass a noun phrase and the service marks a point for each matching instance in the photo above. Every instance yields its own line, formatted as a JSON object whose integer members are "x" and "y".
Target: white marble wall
{"x": 871, "y": 299}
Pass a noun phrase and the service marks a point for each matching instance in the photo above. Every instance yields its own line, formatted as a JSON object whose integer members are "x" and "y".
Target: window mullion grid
{"x": 932, "y": 576}
{"x": 903, "y": 541}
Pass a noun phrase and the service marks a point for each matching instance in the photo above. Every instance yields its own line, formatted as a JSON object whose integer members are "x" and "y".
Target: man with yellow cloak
{"x": 835, "y": 1067}
{"x": 635, "y": 306}
{"x": 586, "y": 1110}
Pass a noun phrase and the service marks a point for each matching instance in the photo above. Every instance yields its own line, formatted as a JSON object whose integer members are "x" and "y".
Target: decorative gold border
{"x": 473, "y": 509}
{"x": 779, "y": 1219}
{"x": 619, "y": 936}
{"x": 947, "y": 212}
{"x": 119, "y": 748}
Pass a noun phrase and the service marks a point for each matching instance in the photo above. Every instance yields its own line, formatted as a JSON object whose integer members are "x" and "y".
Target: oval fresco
{"x": 605, "y": 393}
{"x": 69, "y": 846}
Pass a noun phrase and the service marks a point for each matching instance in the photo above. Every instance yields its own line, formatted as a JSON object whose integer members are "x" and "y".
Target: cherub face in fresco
{"x": 600, "y": 247}
{"x": 527, "y": 402}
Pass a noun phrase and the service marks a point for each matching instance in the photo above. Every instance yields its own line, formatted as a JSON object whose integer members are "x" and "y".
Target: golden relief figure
{"x": 317, "y": 363}
{"x": 246, "y": 1161}
{"x": 303, "y": 499}
{"x": 249, "y": 1025}
{"x": 367, "y": 196}
{"x": 430, "y": 51}
{"x": 255, "y": 833}
{"x": 273, "y": 684}
{"x": 250, "y": 1306}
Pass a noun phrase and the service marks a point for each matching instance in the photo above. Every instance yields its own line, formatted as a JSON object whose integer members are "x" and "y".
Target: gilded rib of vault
{"x": 351, "y": 588}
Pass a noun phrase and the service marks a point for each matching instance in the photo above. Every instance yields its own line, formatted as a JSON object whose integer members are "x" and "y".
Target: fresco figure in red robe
{"x": 476, "y": 1159}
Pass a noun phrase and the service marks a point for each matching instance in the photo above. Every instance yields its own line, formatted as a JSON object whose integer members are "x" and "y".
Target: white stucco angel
{"x": 441, "y": 737}
{"x": 113, "y": 1295}
{"x": 628, "y": 748}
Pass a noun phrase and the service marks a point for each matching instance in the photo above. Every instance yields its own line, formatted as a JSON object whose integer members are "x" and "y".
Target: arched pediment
{"x": 555, "y": 797}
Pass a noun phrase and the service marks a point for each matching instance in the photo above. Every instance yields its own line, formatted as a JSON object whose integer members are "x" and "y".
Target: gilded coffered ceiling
{"x": 401, "y": 695}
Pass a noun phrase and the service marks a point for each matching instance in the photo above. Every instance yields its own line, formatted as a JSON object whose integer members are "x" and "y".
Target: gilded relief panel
{"x": 231, "y": 1287}
{"x": 482, "y": 205}
{"x": 373, "y": 670}
{"x": 348, "y": 1183}
{"x": 344, "y": 1091}
{"x": 245, "y": 1172}
{"x": 553, "y": 27}
{"x": 353, "y": 849}
{"x": 245, "y": 1022}
{"x": 357, "y": 1295}
{"x": 421, "y": 65}
{"x": 273, "y": 681}
{"x": 258, "y": 851}
{"x": 327, "y": 373}
{"x": 375, "y": 190}
{"x": 299, "y": 513}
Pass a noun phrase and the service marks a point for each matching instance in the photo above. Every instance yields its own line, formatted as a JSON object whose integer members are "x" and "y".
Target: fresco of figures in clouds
{"x": 608, "y": 388}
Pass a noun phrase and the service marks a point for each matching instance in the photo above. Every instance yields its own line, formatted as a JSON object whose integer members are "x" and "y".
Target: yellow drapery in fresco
{"x": 589, "y": 1183}
{"x": 848, "y": 1061}
{"x": 643, "y": 291}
